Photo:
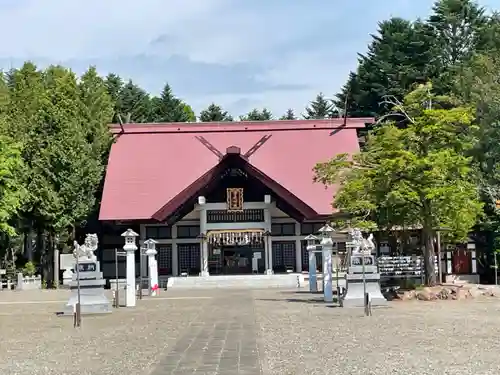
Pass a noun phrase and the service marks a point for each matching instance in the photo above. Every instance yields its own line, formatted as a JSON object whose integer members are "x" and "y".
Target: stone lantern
{"x": 130, "y": 248}
{"x": 312, "y": 248}
{"x": 326, "y": 232}
{"x": 152, "y": 265}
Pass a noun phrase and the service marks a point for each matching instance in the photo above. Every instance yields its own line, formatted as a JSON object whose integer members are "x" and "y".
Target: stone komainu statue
{"x": 86, "y": 251}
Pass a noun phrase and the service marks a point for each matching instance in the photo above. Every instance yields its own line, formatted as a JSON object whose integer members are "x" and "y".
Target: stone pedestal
{"x": 92, "y": 298}
{"x": 67, "y": 263}
{"x": 67, "y": 277}
{"x": 355, "y": 291}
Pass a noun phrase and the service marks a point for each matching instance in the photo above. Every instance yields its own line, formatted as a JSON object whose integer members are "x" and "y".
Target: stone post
{"x": 313, "y": 281}
{"x": 130, "y": 248}
{"x": 327, "y": 269}
{"x": 311, "y": 248}
{"x": 152, "y": 266}
{"x": 268, "y": 250}
{"x": 203, "y": 244}
{"x": 327, "y": 245}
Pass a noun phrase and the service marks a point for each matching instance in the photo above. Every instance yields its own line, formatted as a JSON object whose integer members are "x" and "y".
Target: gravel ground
{"x": 34, "y": 341}
{"x": 295, "y": 334}
{"x": 302, "y": 336}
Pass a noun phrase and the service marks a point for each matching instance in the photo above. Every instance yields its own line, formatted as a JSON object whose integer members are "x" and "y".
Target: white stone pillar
{"x": 327, "y": 270}
{"x": 471, "y": 246}
{"x": 268, "y": 250}
{"x": 313, "y": 281}
{"x": 298, "y": 248}
{"x": 175, "y": 257}
{"x": 203, "y": 229}
{"x": 473, "y": 261}
{"x": 152, "y": 266}
{"x": 130, "y": 248}
{"x": 153, "y": 271}
{"x": 270, "y": 271}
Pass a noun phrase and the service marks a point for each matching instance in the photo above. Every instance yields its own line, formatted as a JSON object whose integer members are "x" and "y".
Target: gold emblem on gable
{"x": 235, "y": 199}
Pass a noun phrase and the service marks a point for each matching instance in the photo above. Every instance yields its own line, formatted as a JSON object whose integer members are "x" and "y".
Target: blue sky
{"x": 240, "y": 54}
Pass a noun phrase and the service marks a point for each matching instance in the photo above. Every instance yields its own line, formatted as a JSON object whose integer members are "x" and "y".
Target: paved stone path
{"x": 222, "y": 340}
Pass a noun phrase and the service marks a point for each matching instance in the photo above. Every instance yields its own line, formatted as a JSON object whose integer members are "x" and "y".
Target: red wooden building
{"x": 222, "y": 198}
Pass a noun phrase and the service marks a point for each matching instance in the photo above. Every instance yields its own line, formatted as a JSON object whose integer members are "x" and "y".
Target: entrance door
{"x": 283, "y": 256}
{"x": 189, "y": 258}
{"x": 461, "y": 262}
{"x": 237, "y": 260}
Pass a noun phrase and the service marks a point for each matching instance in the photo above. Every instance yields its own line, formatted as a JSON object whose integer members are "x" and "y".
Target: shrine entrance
{"x": 236, "y": 260}
{"x": 236, "y": 252}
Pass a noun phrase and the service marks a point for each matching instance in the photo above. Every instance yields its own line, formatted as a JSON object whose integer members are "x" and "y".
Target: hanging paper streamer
{"x": 235, "y": 237}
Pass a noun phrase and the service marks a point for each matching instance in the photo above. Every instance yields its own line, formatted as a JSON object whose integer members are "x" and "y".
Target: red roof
{"x": 151, "y": 164}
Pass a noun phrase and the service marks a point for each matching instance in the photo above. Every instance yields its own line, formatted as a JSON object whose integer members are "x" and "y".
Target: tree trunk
{"x": 429, "y": 265}
{"x": 50, "y": 259}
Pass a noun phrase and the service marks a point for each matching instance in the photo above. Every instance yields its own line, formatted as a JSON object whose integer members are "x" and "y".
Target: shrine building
{"x": 221, "y": 198}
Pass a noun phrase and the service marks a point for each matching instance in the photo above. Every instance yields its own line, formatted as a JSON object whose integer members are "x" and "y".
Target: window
{"x": 287, "y": 229}
{"x": 189, "y": 258}
{"x": 310, "y": 228}
{"x": 164, "y": 259}
{"x": 188, "y": 231}
{"x": 158, "y": 232}
{"x": 283, "y": 256}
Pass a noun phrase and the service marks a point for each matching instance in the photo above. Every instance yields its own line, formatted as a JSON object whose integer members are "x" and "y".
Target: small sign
{"x": 255, "y": 265}
{"x": 358, "y": 260}
{"x": 3, "y": 272}
{"x": 235, "y": 199}
{"x": 257, "y": 255}
{"x": 87, "y": 267}
{"x": 497, "y": 203}
{"x": 217, "y": 252}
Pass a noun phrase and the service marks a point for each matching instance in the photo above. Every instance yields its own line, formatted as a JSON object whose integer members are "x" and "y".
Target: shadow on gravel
{"x": 300, "y": 292}
{"x": 313, "y": 301}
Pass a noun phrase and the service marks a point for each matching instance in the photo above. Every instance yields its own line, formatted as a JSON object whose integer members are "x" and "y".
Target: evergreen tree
{"x": 134, "y": 104}
{"x": 214, "y": 113}
{"x": 114, "y": 86}
{"x": 96, "y": 111}
{"x": 289, "y": 115}
{"x": 319, "y": 108}
{"x": 400, "y": 55}
{"x": 168, "y": 108}
{"x": 257, "y": 115}
{"x": 460, "y": 28}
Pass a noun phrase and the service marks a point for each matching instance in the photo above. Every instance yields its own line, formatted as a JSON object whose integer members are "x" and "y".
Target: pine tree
{"x": 114, "y": 85}
{"x": 96, "y": 111}
{"x": 400, "y": 55}
{"x": 214, "y": 113}
{"x": 319, "y": 108}
{"x": 257, "y": 115}
{"x": 134, "y": 104}
{"x": 168, "y": 108}
{"x": 289, "y": 115}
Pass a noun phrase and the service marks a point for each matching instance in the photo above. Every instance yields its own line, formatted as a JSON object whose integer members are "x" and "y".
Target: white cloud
{"x": 312, "y": 43}
{"x": 61, "y": 29}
